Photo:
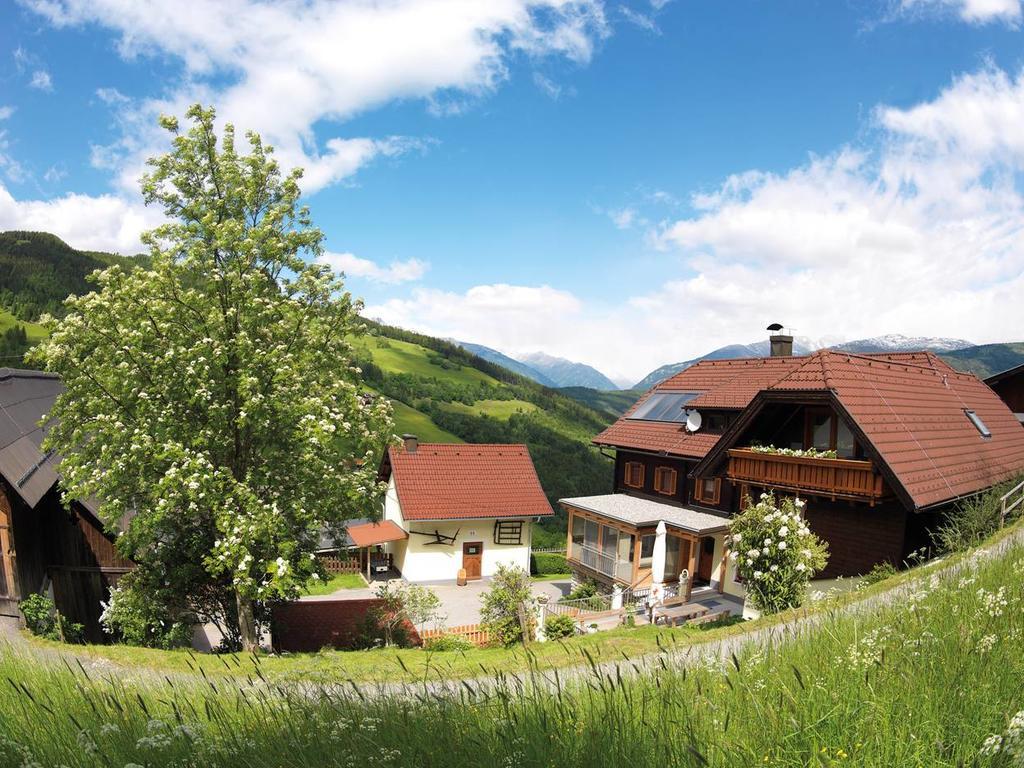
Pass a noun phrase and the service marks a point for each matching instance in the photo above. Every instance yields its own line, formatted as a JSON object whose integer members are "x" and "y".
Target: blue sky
{"x": 626, "y": 184}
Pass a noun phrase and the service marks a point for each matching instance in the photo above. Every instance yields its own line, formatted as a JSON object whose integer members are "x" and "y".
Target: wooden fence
{"x": 474, "y": 633}
{"x": 334, "y": 564}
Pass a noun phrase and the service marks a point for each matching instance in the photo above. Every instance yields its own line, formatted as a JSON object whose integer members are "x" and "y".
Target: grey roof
{"x": 641, "y": 512}
{"x": 25, "y": 399}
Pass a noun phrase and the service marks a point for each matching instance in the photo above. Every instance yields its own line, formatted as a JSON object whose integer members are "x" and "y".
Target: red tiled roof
{"x": 442, "y": 481}
{"x": 728, "y": 384}
{"x": 909, "y": 405}
{"x": 912, "y": 412}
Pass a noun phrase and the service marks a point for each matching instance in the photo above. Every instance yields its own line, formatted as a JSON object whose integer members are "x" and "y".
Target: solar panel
{"x": 664, "y": 406}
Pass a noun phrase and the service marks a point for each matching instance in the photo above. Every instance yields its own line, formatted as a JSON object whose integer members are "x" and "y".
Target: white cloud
{"x": 623, "y": 218}
{"x": 6, "y": 111}
{"x": 920, "y": 232}
{"x": 41, "y": 81}
{"x": 972, "y": 11}
{"x": 642, "y": 20}
{"x": 283, "y": 68}
{"x": 104, "y": 222}
{"x": 548, "y": 87}
{"x": 396, "y": 272}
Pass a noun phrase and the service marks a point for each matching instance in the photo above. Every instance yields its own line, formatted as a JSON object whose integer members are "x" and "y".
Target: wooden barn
{"x": 46, "y": 547}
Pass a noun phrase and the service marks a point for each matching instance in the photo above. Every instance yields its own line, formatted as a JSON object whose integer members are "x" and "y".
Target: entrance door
{"x": 704, "y": 559}
{"x": 472, "y": 558}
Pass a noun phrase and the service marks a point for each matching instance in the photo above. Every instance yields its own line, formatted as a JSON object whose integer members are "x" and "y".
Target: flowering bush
{"x": 775, "y": 553}
{"x": 805, "y": 453}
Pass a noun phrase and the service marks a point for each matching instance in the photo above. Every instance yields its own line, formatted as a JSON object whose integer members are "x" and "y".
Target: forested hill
{"x": 39, "y": 270}
{"x": 444, "y": 393}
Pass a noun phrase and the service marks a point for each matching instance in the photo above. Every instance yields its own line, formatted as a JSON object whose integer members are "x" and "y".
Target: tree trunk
{"x": 246, "y": 624}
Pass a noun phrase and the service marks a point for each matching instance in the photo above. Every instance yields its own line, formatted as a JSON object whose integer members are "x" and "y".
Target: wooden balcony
{"x": 835, "y": 478}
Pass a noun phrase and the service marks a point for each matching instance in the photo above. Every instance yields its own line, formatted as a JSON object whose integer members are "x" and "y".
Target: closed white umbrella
{"x": 658, "y": 561}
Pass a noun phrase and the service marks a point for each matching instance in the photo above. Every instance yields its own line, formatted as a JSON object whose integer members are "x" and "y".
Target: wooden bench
{"x": 707, "y": 618}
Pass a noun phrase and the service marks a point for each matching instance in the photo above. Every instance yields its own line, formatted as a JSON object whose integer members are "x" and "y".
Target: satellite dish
{"x": 693, "y": 421}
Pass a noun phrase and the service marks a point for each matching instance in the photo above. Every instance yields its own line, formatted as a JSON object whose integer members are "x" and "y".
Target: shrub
{"x": 543, "y": 563}
{"x": 44, "y": 620}
{"x": 499, "y": 614}
{"x": 582, "y": 590}
{"x": 880, "y": 572}
{"x": 133, "y": 617}
{"x": 448, "y": 643}
{"x": 558, "y": 627}
{"x": 775, "y": 552}
{"x": 973, "y": 520}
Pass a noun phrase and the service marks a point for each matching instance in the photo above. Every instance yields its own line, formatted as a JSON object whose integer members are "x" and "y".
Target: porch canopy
{"x": 373, "y": 533}
{"x": 640, "y": 513}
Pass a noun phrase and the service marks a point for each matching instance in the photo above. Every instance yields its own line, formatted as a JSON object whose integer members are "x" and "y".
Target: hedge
{"x": 543, "y": 563}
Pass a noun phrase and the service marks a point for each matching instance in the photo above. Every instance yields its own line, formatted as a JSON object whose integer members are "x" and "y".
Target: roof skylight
{"x": 978, "y": 423}
{"x": 664, "y": 406}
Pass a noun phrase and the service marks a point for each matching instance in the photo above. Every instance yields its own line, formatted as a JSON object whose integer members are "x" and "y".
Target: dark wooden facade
{"x": 1009, "y": 385}
{"x": 50, "y": 548}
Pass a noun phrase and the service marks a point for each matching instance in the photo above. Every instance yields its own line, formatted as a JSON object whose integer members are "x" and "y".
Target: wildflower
{"x": 993, "y": 744}
{"x": 987, "y": 643}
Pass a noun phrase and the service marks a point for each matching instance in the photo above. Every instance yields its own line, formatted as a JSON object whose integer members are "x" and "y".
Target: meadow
{"x": 931, "y": 679}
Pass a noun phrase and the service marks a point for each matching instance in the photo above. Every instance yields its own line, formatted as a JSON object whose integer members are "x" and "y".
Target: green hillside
{"x": 613, "y": 403}
{"x": 986, "y": 359}
{"x": 39, "y": 270}
{"x": 443, "y": 393}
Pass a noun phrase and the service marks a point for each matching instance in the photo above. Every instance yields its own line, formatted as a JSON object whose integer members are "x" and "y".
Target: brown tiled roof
{"x": 377, "y": 532}
{"x": 440, "y": 481}
{"x": 910, "y": 406}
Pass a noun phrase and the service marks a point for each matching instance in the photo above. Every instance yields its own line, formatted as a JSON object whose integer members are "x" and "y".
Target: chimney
{"x": 411, "y": 443}
{"x": 781, "y": 342}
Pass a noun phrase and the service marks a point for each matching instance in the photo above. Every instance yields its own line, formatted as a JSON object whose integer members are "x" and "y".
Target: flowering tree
{"x": 775, "y": 552}
{"x": 211, "y": 404}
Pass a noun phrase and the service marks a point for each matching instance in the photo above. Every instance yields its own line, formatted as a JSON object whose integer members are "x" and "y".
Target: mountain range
{"x": 545, "y": 369}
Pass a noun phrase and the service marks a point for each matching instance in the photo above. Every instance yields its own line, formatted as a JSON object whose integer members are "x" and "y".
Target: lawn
{"x": 336, "y": 582}
{"x": 551, "y": 577}
{"x": 923, "y": 682}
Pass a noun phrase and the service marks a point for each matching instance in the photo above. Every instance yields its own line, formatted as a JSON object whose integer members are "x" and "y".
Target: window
{"x": 578, "y": 526}
{"x": 819, "y": 429}
{"x": 646, "y": 550}
{"x": 708, "y": 489}
{"x": 716, "y": 422}
{"x": 665, "y": 480}
{"x": 508, "y": 531}
{"x": 664, "y": 406}
{"x": 846, "y": 446}
{"x": 633, "y": 475}
{"x": 978, "y": 423}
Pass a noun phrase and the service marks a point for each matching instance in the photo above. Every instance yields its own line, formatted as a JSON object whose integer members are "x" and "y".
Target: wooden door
{"x": 704, "y": 561}
{"x": 472, "y": 558}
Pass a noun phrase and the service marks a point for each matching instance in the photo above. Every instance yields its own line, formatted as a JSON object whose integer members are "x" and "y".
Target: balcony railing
{"x": 837, "y": 478}
{"x": 601, "y": 562}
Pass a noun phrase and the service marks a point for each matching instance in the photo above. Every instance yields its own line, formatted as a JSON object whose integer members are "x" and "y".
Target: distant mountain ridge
{"x": 567, "y": 373}
{"x": 499, "y": 358}
{"x": 958, "y": 352}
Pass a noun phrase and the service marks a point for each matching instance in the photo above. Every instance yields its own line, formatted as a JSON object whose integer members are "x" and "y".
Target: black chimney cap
{"x": 774, "y": 327}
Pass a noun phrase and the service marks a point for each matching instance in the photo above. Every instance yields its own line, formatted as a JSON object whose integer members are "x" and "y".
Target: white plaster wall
{"x": 730, "y": 587}
{"x": 420, "y": 561}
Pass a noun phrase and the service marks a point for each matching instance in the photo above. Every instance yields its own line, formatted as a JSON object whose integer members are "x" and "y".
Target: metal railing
{"x": 1006, "y": 506}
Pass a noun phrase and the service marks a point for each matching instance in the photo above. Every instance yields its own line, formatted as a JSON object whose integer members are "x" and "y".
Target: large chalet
{"x": 877, "y": 445}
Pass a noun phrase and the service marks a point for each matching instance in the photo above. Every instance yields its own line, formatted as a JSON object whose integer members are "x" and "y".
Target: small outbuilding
{"x": 464, "y": 507}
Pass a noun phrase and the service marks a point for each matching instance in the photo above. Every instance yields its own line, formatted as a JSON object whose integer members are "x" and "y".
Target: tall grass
{"x": 922, "y": 682}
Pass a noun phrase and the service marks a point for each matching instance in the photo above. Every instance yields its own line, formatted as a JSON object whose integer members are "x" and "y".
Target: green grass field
{"x": 409, "y": 420}
{"x": 397, "y": 356}
{"x": 924, "y": 681}
{"x": 336, "y": 582}
{"x": 32, "y": 330}
{"x": 496, "y": 409}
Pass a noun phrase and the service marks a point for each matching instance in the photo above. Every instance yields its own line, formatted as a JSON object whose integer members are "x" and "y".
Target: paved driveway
{"x": 460, "y": 605}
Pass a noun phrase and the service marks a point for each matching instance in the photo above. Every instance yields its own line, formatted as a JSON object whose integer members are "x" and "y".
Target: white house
{"x": 462, "y": 506}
